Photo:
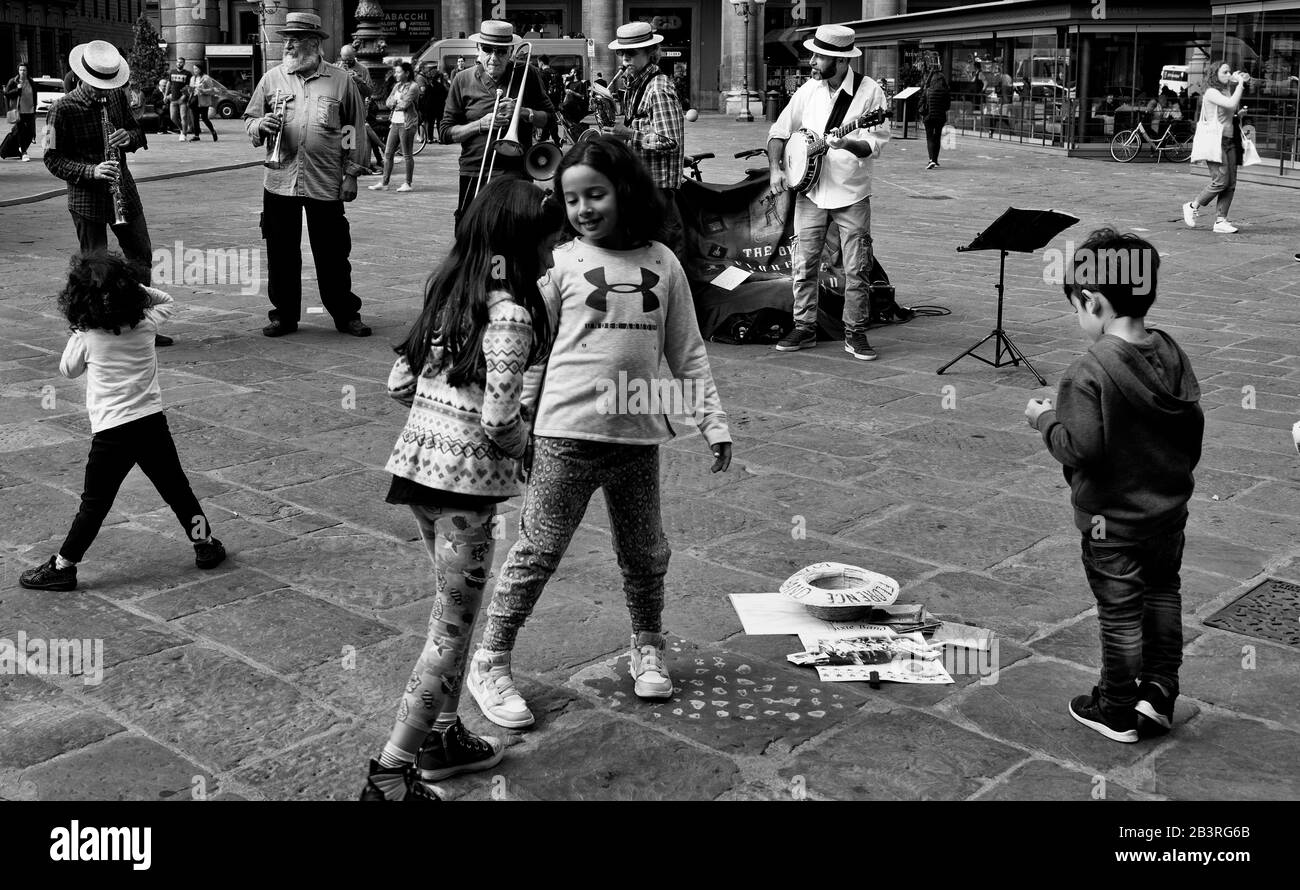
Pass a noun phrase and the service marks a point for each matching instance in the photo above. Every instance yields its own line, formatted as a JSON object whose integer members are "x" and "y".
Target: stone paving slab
{"x": 967, "y": 542}
{"x": 1044, "y": 780}
{"x": 1244, "y": 674}
{"x": 42, "y": 722}
{"x": 901, "y": 754}
{"x": 217, "y": 707}
{"x": 1226, "y": 758}
{"x": 125, "y": 767}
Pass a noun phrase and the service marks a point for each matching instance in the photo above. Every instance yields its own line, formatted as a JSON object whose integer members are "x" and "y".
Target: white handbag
{"x": 1249, "y": 154}
{"x": 1207, "y": 144}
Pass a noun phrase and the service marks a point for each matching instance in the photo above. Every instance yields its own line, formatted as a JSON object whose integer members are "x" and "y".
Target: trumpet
{"x": 279, "y": 104}
{"x": 509, "y": 144}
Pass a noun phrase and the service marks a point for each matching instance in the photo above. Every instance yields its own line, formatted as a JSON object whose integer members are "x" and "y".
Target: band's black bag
{"x": 735, "y": 226}
{"x": 9, "y": 146}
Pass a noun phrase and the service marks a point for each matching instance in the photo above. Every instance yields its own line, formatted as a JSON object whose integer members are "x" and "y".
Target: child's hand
{"x": 721, "y": 457}
{"x": 1035, "y": 408}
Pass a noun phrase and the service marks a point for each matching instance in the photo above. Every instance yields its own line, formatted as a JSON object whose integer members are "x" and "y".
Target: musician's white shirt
{"x": 845, "y": 178}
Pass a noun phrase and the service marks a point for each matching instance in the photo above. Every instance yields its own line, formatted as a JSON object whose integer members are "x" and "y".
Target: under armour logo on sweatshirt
{"x": 598, "y": 298}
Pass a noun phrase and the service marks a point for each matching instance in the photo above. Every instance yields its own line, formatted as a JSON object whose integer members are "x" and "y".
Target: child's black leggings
{"x": 113, "y": 452}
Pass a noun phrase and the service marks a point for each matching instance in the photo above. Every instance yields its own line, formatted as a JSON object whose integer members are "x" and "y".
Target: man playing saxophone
{"x": 90, "y": 155}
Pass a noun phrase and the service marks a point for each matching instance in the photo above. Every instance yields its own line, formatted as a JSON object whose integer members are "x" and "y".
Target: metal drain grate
{"x": 1269, "y": 611}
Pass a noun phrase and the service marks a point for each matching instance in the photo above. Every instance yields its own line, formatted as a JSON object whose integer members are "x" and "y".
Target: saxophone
{"x": 112, "y": 154}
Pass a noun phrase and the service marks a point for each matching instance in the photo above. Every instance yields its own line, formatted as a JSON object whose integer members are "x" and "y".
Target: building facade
{"x": 1263, "y": 39}
{"x": 40, "y": 34}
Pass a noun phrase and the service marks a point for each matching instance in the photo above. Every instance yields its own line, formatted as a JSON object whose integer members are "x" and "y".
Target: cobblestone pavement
{"x": 277, "y": 675}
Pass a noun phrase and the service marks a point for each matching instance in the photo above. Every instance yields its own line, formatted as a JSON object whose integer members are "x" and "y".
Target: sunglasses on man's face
{"x": 495, "y": 50}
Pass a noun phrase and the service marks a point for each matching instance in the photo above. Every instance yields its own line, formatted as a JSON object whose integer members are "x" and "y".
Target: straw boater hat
{"x": 494, "y": 32}
{"x": 303, "y": 23}
{"x": 636, "y": 35}
{"x": 99, "y": 64}
{"x": 833, "y": 40}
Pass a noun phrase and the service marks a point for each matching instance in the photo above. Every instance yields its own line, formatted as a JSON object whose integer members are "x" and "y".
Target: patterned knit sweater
{"x": 468, "y": 439}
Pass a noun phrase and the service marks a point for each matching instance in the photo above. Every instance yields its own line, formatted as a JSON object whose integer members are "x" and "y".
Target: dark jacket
{"x": 13, "y": 91}
{"x": 935, "y": 99}
{"x": 1127, "y": 428}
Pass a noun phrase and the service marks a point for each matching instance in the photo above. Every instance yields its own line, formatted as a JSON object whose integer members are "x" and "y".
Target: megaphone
{"x": 541, "y": 160}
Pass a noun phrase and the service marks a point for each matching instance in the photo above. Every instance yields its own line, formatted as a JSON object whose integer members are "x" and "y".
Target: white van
{"x": 1175, "y": 78}
{"x": 566, "y": 54}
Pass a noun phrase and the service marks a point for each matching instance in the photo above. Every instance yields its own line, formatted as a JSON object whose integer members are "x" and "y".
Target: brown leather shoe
{"x": 356, "y": 327}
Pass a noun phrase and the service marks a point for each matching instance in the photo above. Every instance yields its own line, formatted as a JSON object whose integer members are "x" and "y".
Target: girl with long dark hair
{"x": 461, "y": 371}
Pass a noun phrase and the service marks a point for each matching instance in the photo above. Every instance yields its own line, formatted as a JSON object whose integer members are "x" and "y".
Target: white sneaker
{"x": 1190, "y": 212}
{"x": 1223, "y": 227}
{"x": 489, "y": 681}
{"x": 405, "y": 187}
{"x": 26, "y": 159}
{"x": 648, "y": 669}
{"x": 181, "y": 138}
{"x": 378, "y": 187}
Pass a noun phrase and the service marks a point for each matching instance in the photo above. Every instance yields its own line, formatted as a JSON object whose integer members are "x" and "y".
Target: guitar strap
{"x": 843, "y": 99}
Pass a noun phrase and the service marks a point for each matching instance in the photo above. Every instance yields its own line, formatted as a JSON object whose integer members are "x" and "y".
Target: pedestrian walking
{"x": 461, "y": 371}
{"x": 114, "y": 319}
{"x": 1218, "y": 143}
{"x": 178, "y": 90}
{"x": 203, "y": 90}
{"x": 933, "y": 107}
{"x": 20, "y": 96}
{"x": 1127, "y": 427}
{"x": 403, "y": 101}
{"x": 624, "y": 308}
{"x": 100, "y": 187}
{"x": 361, "y": 77}
{"x": 306, "y": 111}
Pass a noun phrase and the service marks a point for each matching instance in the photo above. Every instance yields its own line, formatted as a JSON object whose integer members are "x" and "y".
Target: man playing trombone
{"x": 497, "y": 82}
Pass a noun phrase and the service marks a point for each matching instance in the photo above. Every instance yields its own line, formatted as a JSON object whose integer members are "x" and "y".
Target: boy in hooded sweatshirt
{"x": 1127, "y": 429}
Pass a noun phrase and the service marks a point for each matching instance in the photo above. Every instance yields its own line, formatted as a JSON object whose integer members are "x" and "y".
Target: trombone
{"x": 508, "y": 145}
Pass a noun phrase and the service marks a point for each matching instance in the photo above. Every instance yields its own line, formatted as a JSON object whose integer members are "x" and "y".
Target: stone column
{"x": 600, "y": 20}
{"x": 460, "y": 15}
{"x": 189, "y": 26}
{"x": 874, "y": 9}
{"x": 734, "y": 61}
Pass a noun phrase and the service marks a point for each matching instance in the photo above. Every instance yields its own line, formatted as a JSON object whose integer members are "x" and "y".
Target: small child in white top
{"x": 114, "y": 319}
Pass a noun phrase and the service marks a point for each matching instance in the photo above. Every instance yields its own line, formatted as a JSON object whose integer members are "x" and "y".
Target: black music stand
{"x": 1022, "y": 231}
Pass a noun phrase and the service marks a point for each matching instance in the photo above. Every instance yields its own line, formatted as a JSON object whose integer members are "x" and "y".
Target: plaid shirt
{"x": 75, "y": 146}
{"x": 658, "y": 130}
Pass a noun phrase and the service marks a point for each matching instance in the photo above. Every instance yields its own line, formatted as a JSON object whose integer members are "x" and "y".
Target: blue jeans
{"x": 853, "y": 224}
{"x": 1139, "y": 606}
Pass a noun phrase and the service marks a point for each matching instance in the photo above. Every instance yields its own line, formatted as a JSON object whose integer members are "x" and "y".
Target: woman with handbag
{"x": 21, "y": 92}
{"x": 1218, "y": 143}
{"x": 202, "y": 91}
{"x": 402, "y": 99}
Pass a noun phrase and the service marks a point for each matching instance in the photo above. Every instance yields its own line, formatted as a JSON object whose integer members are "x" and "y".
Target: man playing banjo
{"x": 841, "y": 195}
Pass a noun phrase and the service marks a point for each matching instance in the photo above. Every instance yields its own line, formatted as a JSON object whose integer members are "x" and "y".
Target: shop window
{"x": 543, "y": 21}
{"x": 784, "y": 56}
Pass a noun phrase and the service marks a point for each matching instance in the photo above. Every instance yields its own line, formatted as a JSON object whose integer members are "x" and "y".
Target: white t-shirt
{"x": 121, "y": 369}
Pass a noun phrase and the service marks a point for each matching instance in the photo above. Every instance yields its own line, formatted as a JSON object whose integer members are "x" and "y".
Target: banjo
{"x": 805, "y": 150}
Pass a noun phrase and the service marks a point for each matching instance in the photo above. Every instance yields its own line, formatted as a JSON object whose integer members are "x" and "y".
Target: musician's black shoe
{"x": 932, "y": 165}
{"x": 279, "y": 328}
{"x": 160, "y": 340}
{"x": 857, "y": 346}
{"x": 797, "y": 339}
{"x": 356, "y": 327}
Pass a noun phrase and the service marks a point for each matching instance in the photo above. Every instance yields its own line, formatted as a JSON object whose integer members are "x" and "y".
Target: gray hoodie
{"x": 1127, "y": 428}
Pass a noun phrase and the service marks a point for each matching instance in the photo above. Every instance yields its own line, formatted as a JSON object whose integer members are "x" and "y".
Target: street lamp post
{"x": 742, "y": 10}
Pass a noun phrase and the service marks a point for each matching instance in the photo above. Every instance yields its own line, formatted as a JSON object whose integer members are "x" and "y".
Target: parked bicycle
{"x": 1175, "y": 141}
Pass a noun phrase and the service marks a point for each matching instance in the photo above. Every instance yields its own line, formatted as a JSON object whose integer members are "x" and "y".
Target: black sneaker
{"x": 1155, "y": 709}
{"x": 279, "y": 328}
{"x": 396, "y": 783}
{"x": 1120, "y": 726}
{"x": 209, "y": 554}
{"x": 48, "y": 576}
{"x": 457, "y": 750}
{"x": 356, "y": 327}
{"x": 857, "y": 346}
{"x": 797, "y": 339}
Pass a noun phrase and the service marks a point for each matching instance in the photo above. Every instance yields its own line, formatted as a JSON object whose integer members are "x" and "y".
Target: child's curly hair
{"x": 104, "y": 292}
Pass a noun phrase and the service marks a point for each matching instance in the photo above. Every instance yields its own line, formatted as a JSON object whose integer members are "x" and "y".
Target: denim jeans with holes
{"x": 1139, "y": 606}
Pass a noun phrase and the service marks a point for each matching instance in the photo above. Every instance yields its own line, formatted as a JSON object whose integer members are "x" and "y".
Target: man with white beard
{"x": 312, "y": 166}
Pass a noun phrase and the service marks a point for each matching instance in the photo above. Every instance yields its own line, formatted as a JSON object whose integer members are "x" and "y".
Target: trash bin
{"x": 772, "y": 103}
